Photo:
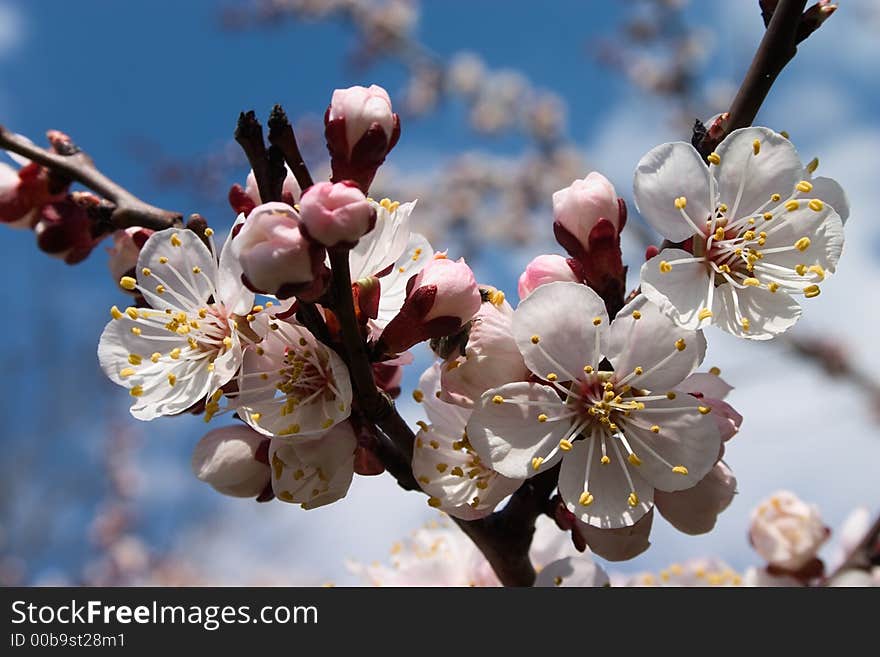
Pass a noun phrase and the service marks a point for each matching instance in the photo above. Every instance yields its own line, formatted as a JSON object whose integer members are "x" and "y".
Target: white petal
{"x": 706, "y": 384}
{"x": 695, "y": 510}
{"x": 824, "y": 229}
{"x": 664, "y": 174}
{"x": 447, "y": 419}
{"x": 578, "y": 571}
{"x": 607, "y": 483}
{"x": 649, "y": 342}
{"x": 774, "y": 170}
{"x": 383, "y": 245}
{"x": 509, "y": 435}
{"x": 184, "y": 289}
{"x": 555, "y": 329}
{"x": 831, "y": 193}
{"x": 769, "y": 313}
{"x": 620, "y": 544}
{"x": 393, "y": 285}
{"x": 230, "y": 290}
{"x": 681, "y": 293}
{"x": 686, "y": 438}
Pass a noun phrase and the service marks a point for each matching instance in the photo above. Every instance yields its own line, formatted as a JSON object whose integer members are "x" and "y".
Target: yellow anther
{"x": 748, "y": 235}
{"x": 745, "y": 323}
{"x": 633, "y": 499}
{"x": 637, "y": 314}
{"x": 635, "y": 460}
{"x": 172, "y": 379}
{"x": 816, "y": 205}
{"x": 723, "y": 208}
{"x": 115, "y": 313}
{"x": 418, "y": 396}
{"x": 750, "y": 221}
{"x": 175, "y": 353}
{"x": 209, "y": 232}
{"x": 434, "y": 502}
{"x": 756, "y": 146}
{"x": 724, "y": 268}
{"x": 536, "y": 462}
{"x": 127, "y": 283}
{"x": 714, "y": 158}
{"x": 670, "y": 395}
{"x": 163, "y": 260}
{"x": 819, "y": 271}
{"x": 126, "y": 372}
{"x": 227, "y": 342}
{"x": 704, "y": 410}
{"x": 137, "y": 391}
{"x": 132, "y": 312}
{"x": 681, "y": 203}
{"x": 565, "y": 445}
{"x": 680, "y": 469}
{"x": 160, "y": 289}
{"x": 719, "y": 234}
{"x": 588, "y": 369}
{"x": 586, "y": 498}
{"x": 705, "y": 313}
{"x": 146, "y": 271}
{"x": 638, "y": 371}
{"x": 801, "y": 269}
{"x": 175, "y": 240}
{"x": 775, "y": 198}
{"x": 751, "y": 282}
{"x": 813, "y": 165}
{"x": 802, "y": 244}
{"x": 605, "y": 460}
{"x": 665, "y": 267}
{"x": 804, "y": 186}
{"x": 715, "y": 371}
{"x": 597, "y": 321}
{"x": 609, "y": 395}
{"x": 536, "y": 339}
{"x": 155, "y": 357}
{"x": 552, "y": 376}
{"x": 680, "y": 344}
{"x": 135, "y": 359}
{"x": 792, "y": 205}
{"x": 196, "y": 270}
{"x": 811, "y": 291}
{"x": 655, "y": 428}
{"x": 542, "y": 417}
{"x": 497, "y": 399}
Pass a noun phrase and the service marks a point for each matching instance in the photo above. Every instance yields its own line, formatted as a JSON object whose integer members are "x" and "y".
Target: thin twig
{"x": 129, "y": 210}
{"x": 281, "y": 135}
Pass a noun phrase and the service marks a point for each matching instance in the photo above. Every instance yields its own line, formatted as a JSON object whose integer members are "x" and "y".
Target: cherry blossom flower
{"x": 290, "y": 384}
{"x": 444, "y": 463}
{"x": 188, "y": 343}
{"x": 313, "y": 472}
{"x": 787, "y": 532}
{"x": 700, "y": 572}
{"x": 619, "y": 433}
{"x": 490, "y": 357}
{"x": 389, "y": 255}
{"x": 229, "y": 460}
{"x": 441, "y": 555}
{"x": 757, "y": 232}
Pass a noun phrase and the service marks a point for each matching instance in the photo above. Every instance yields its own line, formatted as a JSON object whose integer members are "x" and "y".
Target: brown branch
{"x": 129, "y": 210}
{"x": 281, "y": 136}
{"x": 777, "y": 48}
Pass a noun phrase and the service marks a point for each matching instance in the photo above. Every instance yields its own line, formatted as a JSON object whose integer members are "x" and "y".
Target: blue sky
{"x": 109, "y": 72}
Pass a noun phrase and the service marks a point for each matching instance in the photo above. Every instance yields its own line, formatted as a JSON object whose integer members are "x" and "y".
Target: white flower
{"x": 786, "y": 531}
{"x": 444, "y": 463}
{"x": 698, "y": 572}
{"x": 392, "y": 253}
{"x": 759, "y": 232}
{"x": 290, "y": 385}
{"x": 619, "y": 434}
{"x": 188, "y": 342}
{"x": 227, "y": 459}
{"x": 313, "y": 472}
{"x": 441, "y": 555}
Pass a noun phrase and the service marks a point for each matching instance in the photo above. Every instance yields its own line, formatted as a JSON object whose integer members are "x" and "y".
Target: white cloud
{"x": 12, "y": 28}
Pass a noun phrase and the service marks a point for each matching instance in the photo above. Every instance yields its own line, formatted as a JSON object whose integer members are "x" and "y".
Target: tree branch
{"x": 777, "y": 48}
{"x": 281, "y": 136}
{"x": 129, "y": 210}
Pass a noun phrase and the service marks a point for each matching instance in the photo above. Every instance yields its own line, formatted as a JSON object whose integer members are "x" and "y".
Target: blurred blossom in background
{"x": 499, "y": 109}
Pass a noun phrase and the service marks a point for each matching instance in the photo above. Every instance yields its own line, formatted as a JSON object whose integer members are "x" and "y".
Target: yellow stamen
{"x": 127, "y": 283}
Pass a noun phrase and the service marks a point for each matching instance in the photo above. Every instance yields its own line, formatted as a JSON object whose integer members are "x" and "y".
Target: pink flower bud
{"x": 545, "y": 269}
{"x": 440, "y": 299}
{"x": 275, "y": 256}
{"x": 786, "y": 531}
{"x": 361, "y": 129}
{"x": 336, "y": 214}
{"x": 23, "y": 194}
{"x": 229, "y": 460}
{"x": 65, "y": 230}
{"x": 580, "y": 206}
{"x": 126, "y": 248}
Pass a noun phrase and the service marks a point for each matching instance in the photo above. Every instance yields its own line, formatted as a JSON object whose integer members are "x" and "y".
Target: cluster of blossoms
{"x": 580, "y": 384}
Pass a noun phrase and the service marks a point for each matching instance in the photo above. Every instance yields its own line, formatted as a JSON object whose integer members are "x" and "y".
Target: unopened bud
{"x": 228, "y": 460}
{"x": 336, "y": 214}
{"x": 544, "y": 269}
